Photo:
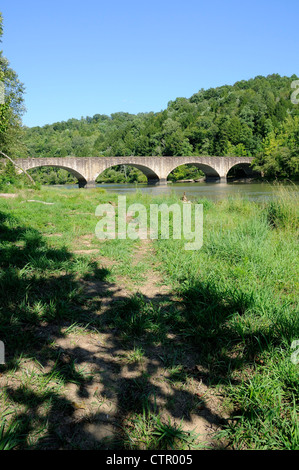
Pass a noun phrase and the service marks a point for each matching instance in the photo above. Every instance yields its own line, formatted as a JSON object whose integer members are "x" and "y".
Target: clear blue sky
{"x": 79, "y": 58}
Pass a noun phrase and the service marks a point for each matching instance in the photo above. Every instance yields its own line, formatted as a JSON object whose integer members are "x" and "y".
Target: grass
{"x": 149, "y": 431}
{"x": 153, "y": 362}
{"x": 242, "y": 296}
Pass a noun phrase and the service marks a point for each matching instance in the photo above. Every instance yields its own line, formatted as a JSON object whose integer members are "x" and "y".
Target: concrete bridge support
{"x": 88, "y": 185}
{"x": 156, "y": 169}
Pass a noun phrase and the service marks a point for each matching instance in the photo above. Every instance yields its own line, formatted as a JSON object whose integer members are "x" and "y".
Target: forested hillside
{"x": 251, "y": 118}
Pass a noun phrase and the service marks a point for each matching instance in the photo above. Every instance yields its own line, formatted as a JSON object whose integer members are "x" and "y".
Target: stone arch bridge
{"x": 156, "y": 169}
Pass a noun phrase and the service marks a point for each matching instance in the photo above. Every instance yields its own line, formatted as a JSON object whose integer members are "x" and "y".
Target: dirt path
{"x": 118, "y": 374}
{"x": 113, "y": 377}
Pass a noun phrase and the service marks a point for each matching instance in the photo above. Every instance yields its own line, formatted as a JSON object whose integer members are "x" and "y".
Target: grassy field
{"x": 123, "y": 344}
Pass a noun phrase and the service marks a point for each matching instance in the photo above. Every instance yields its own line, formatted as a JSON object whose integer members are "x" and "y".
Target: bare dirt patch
{"x": 8, "y": 195}
{"x": 117, "y": 379}
{"x": 85, "y": 252}
{"x": 50, "y": 235}
{"x": 92, "y": 380}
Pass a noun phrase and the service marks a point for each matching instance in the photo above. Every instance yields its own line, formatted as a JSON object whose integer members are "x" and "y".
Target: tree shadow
{"x": 79, "y": 371}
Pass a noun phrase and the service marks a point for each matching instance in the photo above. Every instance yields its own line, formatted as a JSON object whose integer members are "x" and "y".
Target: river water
{"x": 215, "y": 190}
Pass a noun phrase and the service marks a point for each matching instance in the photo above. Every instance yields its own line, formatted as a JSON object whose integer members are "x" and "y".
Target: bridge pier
{"x": 82, "y": 183}
{"x": 215, "y": 179}
{"x": 161, "y": 182}
{"x": 223, "y": 179}
{"x": 153, "y": 181}
{"x": 89, "y": 185}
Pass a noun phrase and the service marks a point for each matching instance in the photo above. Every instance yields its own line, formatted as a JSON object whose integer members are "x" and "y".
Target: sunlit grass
{"x": 235, "y": 302}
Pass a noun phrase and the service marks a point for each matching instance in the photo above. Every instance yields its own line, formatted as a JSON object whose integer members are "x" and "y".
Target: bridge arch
{"x": 87, "y": 169}
{"x": 241, "y": 169}
{"x": 209, "y": 171}
{"x": 150, "y": 174}
{"x": 82, "y": 181}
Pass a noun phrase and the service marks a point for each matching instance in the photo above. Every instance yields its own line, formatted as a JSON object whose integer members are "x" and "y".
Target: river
{"x": 214, "y": 190}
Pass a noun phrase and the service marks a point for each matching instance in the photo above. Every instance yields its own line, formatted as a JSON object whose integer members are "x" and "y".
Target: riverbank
{"x": 140, "y": 344}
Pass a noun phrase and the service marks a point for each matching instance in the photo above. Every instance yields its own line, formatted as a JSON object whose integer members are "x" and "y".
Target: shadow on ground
{"x": 87, "y": 363}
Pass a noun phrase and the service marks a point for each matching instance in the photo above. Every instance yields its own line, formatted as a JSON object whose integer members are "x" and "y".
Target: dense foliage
{"x": 11, "y": 106}
{"x": 251, "y": 118}
{"x": 11, "y": 110}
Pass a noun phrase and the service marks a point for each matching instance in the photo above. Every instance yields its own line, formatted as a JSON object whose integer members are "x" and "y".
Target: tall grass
{"x": 282, "y": 210}
{"x": 241, "y": 295}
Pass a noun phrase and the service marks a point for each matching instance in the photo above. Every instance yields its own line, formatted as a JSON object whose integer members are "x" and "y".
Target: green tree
{"x": 11, "y": 107}
{"x": 280, "y": 155}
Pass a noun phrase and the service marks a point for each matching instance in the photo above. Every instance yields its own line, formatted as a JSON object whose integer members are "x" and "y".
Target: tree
{"x": 11, "y": 105}
{"x": 279, "y": 158}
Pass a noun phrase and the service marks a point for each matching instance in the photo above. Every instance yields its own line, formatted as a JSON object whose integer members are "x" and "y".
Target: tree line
{"x": 253, "y": 118}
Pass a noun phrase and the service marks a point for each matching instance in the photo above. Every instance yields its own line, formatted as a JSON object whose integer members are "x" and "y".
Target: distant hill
{"x": 251, "y": 118}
